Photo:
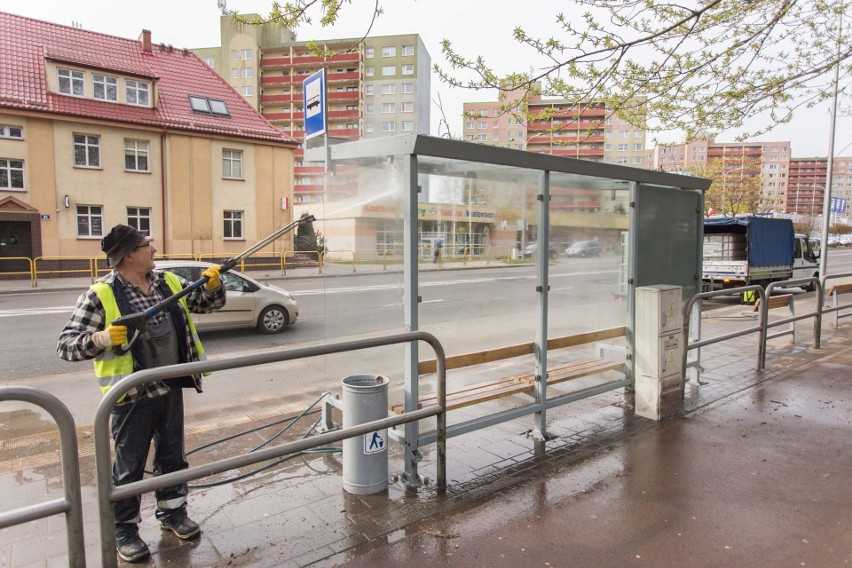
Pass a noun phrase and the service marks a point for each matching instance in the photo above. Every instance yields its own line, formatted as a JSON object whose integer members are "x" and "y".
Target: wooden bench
{"x": 782, "y": 301}
{"x": 518, "y": 384}
{"x": 835, "y": 293}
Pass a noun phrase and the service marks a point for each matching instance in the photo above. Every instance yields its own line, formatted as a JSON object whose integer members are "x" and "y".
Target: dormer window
{"x": 136, "y": 92}
{"x": 71, "y": 83}
{"x": 208, "y": 106}
{"x": 105, "y": 88}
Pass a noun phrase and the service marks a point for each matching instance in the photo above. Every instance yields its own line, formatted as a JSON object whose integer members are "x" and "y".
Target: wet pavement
{"x": 753, "y": 474}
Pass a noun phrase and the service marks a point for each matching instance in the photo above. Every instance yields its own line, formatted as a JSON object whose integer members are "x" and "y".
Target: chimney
{"x": 145, "y": 40}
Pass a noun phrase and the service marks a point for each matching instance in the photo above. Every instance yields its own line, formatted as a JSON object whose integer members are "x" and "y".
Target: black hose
{"x": 292, "y": 420}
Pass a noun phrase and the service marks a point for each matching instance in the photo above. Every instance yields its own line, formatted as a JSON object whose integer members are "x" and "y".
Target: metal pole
{"x": 542, "y": 267}
{"x": 411, "y": 287}
{"x": 826, "y": 200}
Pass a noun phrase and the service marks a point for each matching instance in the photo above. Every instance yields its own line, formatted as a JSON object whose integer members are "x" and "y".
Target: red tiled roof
{"x": 25, "y": 44}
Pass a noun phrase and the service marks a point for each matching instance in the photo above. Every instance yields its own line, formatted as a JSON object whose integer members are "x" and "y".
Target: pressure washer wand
{"x": 137, "y": 320}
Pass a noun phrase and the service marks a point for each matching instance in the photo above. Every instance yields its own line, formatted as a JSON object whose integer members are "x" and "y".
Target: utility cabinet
{"x": 659, "y": 351}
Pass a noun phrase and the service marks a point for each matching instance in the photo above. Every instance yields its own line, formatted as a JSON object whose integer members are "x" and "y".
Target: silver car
{"x": 250, "y": 303}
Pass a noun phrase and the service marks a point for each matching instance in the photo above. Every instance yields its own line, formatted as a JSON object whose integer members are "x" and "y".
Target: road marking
{"x": 379, "y": 287}
{"x": 424, "y": 302}
{"x": 36, "y": 311}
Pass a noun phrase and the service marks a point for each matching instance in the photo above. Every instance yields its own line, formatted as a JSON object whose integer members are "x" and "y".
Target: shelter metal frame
{"x": 422, "y": 154}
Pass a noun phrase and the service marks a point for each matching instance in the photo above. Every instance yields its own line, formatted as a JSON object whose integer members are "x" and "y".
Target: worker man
{"x": 152, "y": 410}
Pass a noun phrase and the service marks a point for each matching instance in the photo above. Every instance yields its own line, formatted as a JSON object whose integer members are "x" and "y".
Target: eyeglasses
{"x": 146, "y": 245}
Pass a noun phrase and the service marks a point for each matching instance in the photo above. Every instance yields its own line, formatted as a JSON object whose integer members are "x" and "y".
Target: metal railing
{"x": 108, "y": 494}
{"x": 817, "y": 315}
{"x": 294, "y": 261}
{"x": 71, "y": 504}
{"x": 88, "y": 271}
{"x": 763, "y": 323}
{"x": 28, "y": 272}
{"x": 836, "y": 306}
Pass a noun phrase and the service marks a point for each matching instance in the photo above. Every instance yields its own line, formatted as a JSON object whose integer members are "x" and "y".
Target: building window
{"x": 368, "y": 127}
{"x": 235, "y": 73}
{"x": 11, "y": 174}
{"x": 389, "y": 126}
{"x": 622, "y": 147}
{"x": 482, "y": 125}
{"x": 495, "y": 137}
{"x": 232, "y": 164}
{"x": 368, "y": 109}
{"x": 408, "y": 50}
{"x": 136, "y": 92}
{"x": 210, "y": 61}
{"x": 139, "y": 218}
{"x": 248, "y": 91}
{"x": 369, "y": 90}
{"x": 407, "y": 125}
{"x": 205, "y": 105}
{"x": 407, "y": 107}
{"x": 468, "y": 125}
{"x": 136, "y": 155}
{"x": 623, "y": 133}
{"x": 388, "y": 89}
{"x": 638, "y": 133}
{"x": 87, "y": 151}
{"x": 408, "y": 69}
{"x": 71, "y": 83}
{"x": 637, "y": 159}
{"x": 637, "y": 147}
{"x": 388, "y": 70}
{"x": 90, "y": 221}
{"x": 388, "y": 107}
{"x": 482, "y": 137}
{"x": 7, "y": 131}
{"x": 622, "y": 161}
{"x": 233, "y": 225}
{"x": 389, "y": 52}
{"x": 407, "y": 88}
{"x": 371, "y": 71}
{"x": 235, "y": 54}
{"x": 248, "y": 54}
{"x": 105, "y": 88}
{"x": 369, "y": 53}
{"x": 248, "y": 73}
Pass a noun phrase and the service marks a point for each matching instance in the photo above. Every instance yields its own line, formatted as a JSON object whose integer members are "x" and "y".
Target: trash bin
{"x": 365, "y": 458}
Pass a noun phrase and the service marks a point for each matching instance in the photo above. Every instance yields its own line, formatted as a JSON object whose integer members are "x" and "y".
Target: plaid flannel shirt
{"x": 75, "y": 341}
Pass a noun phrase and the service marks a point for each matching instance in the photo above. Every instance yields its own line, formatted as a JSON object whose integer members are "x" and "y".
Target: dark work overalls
{"x": 159, "y": 418}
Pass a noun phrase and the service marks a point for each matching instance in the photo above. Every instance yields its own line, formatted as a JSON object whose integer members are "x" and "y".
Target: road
{"x": 467, "y": 310}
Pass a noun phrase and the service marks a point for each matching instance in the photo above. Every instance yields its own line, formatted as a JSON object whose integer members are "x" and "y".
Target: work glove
{"x": 110, "y": 337}
{"x": 213, "y": 274}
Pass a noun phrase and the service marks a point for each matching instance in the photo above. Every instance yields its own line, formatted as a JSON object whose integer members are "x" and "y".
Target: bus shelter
{"x": 562, "y": 243}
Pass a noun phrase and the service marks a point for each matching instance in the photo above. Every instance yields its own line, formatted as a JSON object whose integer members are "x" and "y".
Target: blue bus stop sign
{"x": 313, "y": 91}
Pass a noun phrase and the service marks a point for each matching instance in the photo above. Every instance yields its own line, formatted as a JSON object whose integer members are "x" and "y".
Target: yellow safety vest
{"x": 111, "y": 367}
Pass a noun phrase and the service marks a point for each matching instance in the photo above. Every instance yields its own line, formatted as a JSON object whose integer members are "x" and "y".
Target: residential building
{"x": 772, "y": 160}
{"x": 97, "y": 130}
{"x": 377, "y": 86}
{"x": 588, "y": 130}
{"x": 807, "y": 184}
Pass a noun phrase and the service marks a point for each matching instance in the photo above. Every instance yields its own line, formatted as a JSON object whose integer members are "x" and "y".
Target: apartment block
{"x": 806, "y": 188}
{"x": 772, "y": 160}
{"x": 560, "y": 127}
{"x": 377, "y": 86}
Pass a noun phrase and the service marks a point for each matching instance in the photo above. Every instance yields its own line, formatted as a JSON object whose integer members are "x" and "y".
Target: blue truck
{"x": 740, "y": 251}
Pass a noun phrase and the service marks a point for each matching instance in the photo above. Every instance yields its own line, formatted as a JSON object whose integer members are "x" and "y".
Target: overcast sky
{"x": 475, "y": 28}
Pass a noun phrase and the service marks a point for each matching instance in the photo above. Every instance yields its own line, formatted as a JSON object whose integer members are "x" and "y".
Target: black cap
{"x": 120, "y": 241}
